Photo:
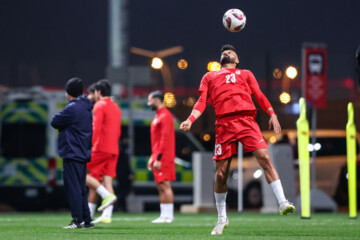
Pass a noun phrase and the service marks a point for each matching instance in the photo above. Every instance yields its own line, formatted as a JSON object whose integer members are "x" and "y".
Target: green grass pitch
{"x": 186, "y": 226}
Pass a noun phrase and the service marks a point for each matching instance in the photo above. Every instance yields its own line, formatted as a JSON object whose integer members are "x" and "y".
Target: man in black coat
{"x": 74, "y": 123}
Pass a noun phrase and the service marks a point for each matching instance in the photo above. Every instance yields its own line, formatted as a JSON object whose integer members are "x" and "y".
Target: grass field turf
{"x": 186, "y": 226}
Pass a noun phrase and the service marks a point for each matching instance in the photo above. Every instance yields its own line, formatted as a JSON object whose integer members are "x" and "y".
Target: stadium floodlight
{"x": 169, "y": 100}
{"x": 182, "y": 64}
{"x": 157, "y": 63}
{"x": 213, "y": 66}
{"x": 291, "y": 72}
{"x": 285, "y": 97}
{"x": 206, "y": 137}
{"x": 277, "y": 73}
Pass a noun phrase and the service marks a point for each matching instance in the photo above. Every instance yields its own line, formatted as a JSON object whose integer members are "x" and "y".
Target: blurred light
{"x": 189, "y": 102}
{"x": 295, "y": 107}
{"x": 169, "y": 100}
{"x": 213, "y": 66}
{"x": 292, "y": 135}
{"x": 291, "y": 72}
{"x": 272, "y": 139}
{"x": 291, "y": 108}
{"x": 185, "y": 150}
{"x": 206, "y": 137}
{"x": 257, "y": 173}
{"x": 285, "y": 98}
{"x": 310, "y": 147}
{"x": 277, "y": 73}
{"x": 157, "y": 63}
{"x": 182, "y": 64}
{"x": 316, "y": 147}
{"x": 349, "y": 83}
{"x": 347, "y": 175}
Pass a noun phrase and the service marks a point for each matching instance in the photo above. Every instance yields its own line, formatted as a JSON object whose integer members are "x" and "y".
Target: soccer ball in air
{"x": 234, "y": 20}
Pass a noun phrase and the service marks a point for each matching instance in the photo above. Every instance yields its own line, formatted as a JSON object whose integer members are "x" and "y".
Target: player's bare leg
{"x": 166, "y": 196}
{"x": 92, "y": 182}
{"x": 272, "y": 177}
{"x": 263, "y": 158}
{"x": 92, "y": 201}
{"x": 107, "y": 182}
{"x": 108, "y": 197}
{"x": 107, "y": 212}
{"x": 220, "y": 191}
{"x": 165, "y": 192}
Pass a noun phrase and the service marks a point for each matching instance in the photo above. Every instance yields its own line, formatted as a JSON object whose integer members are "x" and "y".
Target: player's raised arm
{"x": 264, "y": 103}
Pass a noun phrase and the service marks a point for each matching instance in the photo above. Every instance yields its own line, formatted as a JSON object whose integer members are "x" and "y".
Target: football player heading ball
{"x": 229, "y": 90}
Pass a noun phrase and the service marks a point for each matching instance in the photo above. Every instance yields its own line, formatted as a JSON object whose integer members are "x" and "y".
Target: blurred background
{"x": 44, "y": 43}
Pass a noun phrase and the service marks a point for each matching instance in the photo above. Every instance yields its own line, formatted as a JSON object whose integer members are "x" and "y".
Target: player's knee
{"x": 262, "y": 155}
{"x": 264, "y": 161}
{"x": 220, "y": 177}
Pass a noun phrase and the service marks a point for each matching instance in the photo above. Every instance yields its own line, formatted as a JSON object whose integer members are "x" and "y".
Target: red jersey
{"x": 162, "y": 132}
{"x": 229, "y": 90}
{"x": 106, "y": 127}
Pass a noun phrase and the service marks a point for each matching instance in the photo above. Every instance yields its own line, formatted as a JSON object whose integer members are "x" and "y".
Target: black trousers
{"x": 76, "y": 191}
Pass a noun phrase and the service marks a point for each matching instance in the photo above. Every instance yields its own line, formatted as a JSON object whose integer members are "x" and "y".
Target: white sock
{"x": 169, "y": 210}
{"x": 220, "y": 199}
{"x": 103, "y": 192}
{"x": 92, "y": 207}
{"x": 107, "y": 212}
{"x": 162, "y": 210}
{"x": 278, "y": 190}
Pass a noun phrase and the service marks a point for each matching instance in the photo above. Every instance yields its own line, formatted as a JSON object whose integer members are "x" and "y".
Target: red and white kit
{"x": 105, "y": 139}
{"x": 162, "y": 133}
{"x": 230, "y": 91}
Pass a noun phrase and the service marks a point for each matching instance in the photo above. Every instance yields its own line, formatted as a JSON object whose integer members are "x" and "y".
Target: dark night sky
{"x": 47, "y": 42}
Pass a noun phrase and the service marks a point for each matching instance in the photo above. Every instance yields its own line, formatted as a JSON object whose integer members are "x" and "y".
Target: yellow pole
{"x": 351, "y": 160}
{"x": 302, "y": 125}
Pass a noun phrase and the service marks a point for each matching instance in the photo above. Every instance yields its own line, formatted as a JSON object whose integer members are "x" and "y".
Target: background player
{"x": 229, "y": 90}
{"x": 162, "y": 158}
{"x": 104, "y": 152}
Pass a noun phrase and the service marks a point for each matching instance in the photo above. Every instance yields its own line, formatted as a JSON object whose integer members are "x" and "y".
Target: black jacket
{"x": 74, "y": 123}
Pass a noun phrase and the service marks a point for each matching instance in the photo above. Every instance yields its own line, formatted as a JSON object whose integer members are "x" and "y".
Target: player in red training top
{"x": 162, "y": 160}
{"x": 229, "y": 90}
{"x": 104, "y": 151}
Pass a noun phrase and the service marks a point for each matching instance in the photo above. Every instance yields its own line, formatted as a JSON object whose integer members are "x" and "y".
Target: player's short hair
{"x": 104, "y": 86}
{"x": 157, "y": 94}
{"x": 227, "y": 47}
{"x": 91, "y": 88}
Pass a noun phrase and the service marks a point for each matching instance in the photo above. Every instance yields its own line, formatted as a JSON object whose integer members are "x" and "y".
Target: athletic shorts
{"x": 166, "y": 172}
{"x": 102, "y": 164}
{"x": 230, "y": 130}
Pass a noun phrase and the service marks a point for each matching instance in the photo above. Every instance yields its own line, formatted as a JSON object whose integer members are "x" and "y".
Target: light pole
{"x": 157, "y": 62}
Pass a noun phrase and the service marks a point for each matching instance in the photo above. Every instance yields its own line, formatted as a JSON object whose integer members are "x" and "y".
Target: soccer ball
{"x": 234, "y": 20}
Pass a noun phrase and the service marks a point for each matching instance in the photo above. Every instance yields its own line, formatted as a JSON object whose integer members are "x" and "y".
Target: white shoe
{"x": 109, "y": 200}
{"x": 286, "y": 207}
{"x": 163, "y": 220}
{"x": 102, "y": 220}
{"x": 219, "y": 227}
